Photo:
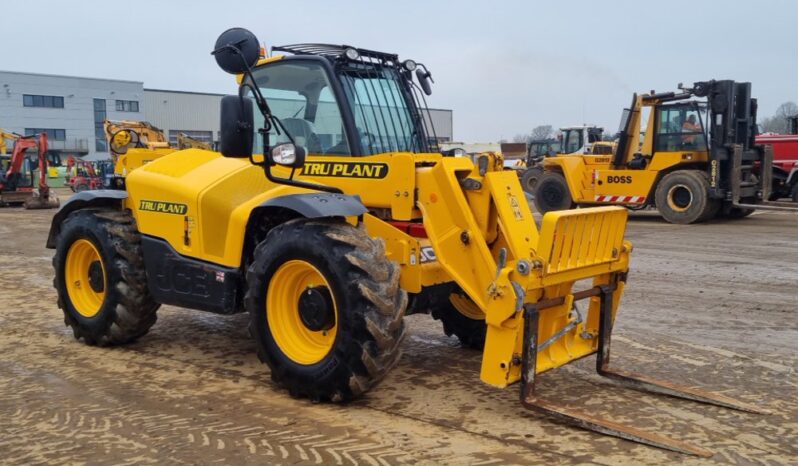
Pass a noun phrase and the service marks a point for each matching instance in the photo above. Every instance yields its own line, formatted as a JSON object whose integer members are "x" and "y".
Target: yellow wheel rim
{"x": 85, "y": 277}
{"x": 680, "y": 198}
{"x": 466, "y": 306}
{"x": 301, "y": 344}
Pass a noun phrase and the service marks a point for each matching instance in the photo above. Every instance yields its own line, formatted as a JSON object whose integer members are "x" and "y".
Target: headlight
{"x": 284, "y": 154}
{"x": 409, "y": 65}
{"x": 352, "y": 54}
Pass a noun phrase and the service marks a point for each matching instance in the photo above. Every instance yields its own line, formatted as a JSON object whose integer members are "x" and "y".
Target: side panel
{"x": 623, "y": 186}
{"x": 574, "y": 170}
{"x": 200, "y": 202}
{"x": 164, "y": 193}
{"x": 416, "y": 257}
{"x": 381, "y": 181}
{"x": 182, "y": 281}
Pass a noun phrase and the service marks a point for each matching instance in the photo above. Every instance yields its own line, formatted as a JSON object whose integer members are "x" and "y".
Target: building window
{"x": 100, "y": 144}
{"x": 52, "y": 134}
{"x": 204, "y": 136}
{"x": 127, "y": 106}
{"x": 46, "y": 101}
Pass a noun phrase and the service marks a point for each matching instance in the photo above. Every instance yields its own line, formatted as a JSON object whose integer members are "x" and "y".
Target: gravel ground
{"x": 712, "y": 305}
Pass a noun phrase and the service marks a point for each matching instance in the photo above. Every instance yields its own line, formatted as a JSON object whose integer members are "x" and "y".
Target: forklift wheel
{"x": 529, "y": 179}
{"x": 737, "y": 212}
{"x": 683, "y": 197}
{"x": 552, "y": 193}
{"x": 325, "y": 309}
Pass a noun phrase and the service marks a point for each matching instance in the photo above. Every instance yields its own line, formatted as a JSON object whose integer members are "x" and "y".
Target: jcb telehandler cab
{"x": 328, "y": 217}
{"x": 697, "y": 159}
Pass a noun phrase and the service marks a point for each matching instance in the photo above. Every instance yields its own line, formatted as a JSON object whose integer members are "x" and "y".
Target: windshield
{"x": 386, "y": 116}
{"x": 299, "y": 95}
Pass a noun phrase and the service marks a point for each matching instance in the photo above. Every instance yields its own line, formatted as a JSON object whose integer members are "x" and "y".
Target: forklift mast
{"x": 732, "y": 126}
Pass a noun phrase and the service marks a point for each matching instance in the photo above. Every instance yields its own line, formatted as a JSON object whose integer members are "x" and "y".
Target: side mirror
{"x": 424, "y": 79}
{"x": 237, "y": 126}
{"x": 288, "y": 155}
{"x": 236, "y": 50}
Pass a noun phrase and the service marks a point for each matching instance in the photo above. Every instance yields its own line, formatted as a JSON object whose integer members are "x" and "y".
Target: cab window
{"x": 572, "y": 141}
{"x": 680, "y": 127}
{"x": 299, "y": 95}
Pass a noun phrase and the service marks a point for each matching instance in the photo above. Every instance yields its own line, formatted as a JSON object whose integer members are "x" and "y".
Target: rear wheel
{"x": 529, "y": 179}
{"x": 100, "y": 279}
{"x": 683, "y": 197}
{"x": 462, "y": 318}
{"x": 552, "y": 193}
{"x": 325, "y": 309}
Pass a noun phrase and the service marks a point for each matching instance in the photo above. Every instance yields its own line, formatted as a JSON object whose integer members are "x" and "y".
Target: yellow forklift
{"x": 697, "y": 159}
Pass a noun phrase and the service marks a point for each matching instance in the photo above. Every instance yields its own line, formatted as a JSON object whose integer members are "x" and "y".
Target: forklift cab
{"x": 680, "y": 127}
{"x": 580, "y": 139}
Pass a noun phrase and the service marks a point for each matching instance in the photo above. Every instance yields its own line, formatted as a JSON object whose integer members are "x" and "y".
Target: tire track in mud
{"x": 578, "y": 386}
{"x": 344, "y": 446}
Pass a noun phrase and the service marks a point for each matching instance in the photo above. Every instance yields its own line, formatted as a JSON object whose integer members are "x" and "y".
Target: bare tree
{"x": 537, "y": 133}
{"x": 779, "y": 122}
{"x": 542, "y": 132}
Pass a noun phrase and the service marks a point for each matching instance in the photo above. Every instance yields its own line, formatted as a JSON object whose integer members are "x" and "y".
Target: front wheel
{"x": 736, "y": 212}
{"x": 683, "y": 197}
{"x": 462, "y": 318}
{"x": 552, "y": 193}
{"x": 325, "y": 309}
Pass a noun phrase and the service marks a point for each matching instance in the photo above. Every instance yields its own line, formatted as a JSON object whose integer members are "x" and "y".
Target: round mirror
{"x": 236, "y": 50}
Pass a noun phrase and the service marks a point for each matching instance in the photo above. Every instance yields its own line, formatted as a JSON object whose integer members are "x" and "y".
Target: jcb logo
{"x": 619, "y": 179}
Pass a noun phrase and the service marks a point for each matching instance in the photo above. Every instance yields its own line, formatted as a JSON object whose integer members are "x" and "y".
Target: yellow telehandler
{"x": 327, "y": 216}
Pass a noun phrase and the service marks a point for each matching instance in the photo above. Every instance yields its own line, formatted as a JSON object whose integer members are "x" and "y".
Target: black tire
{"x": 794, "y": 193}
{"x": 736, "y": 212}
{"x": 81, "y": 187}
{"x": 683, "y": 197}
{"x": 127, "y": 311}
{"x": 470, "y": 331}
{"x": 552, "y": 193}
{"x": 365, "y": 289}
{"x": 529, "y": 179}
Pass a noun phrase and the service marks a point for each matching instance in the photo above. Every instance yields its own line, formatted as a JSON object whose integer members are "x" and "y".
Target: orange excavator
{"x": 17, "y": 180}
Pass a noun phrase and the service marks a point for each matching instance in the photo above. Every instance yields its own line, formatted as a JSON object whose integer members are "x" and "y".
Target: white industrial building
{"x": 71, "y": 110}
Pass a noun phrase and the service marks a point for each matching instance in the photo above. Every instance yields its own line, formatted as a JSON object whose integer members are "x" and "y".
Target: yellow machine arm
{"x": 6, "y": 135}
{"x": 125, "y": 134}
{"x": 187, "y": 142}
{"x": 627, "y": 144}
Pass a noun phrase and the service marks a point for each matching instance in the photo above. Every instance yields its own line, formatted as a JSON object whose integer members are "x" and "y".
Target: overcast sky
{"x": 503, "y": 67}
